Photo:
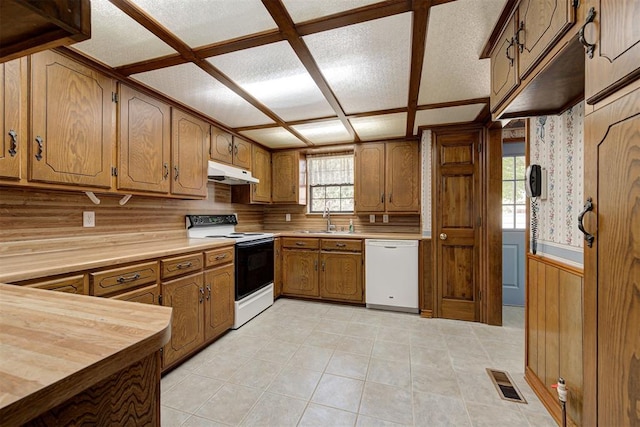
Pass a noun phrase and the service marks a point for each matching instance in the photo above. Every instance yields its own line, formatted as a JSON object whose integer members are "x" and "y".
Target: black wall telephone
{"x": 533, "y": 181}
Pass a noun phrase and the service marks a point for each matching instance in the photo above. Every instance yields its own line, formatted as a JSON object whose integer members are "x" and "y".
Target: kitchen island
{"x": 74, "y": 359}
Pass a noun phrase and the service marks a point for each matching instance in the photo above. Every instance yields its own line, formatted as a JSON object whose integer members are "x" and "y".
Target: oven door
{"x": 254, "y": 266}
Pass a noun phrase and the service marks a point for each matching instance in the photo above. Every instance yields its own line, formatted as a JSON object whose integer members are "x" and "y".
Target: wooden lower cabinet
{"x": 186, "y": 296}
{"x": 219, "y": 300}
{"x": 300, "y": 272}
{"x": 146, "y": 295}
{"x": 341, "y": 276}
{"x": 73, "y": 284}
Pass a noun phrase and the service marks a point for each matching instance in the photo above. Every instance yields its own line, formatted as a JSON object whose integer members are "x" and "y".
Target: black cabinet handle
{"x": 201, "y": 294}
{"x": 123, "y": 279}
{"x": 14, "y": 142}
{"x": 588, "y": 206}
{"x": 177, "y": 171}
{"x": 518, "y": 40}
{"x": 185, "y": 265}
{"x": 40, "y": 143}
{"x": 208, "y": 292}
{"x": 588, "y": 47}
{"x": 511, "y": 43}
{"x": 166, "y": 171}
{"x": 230, "y": 148}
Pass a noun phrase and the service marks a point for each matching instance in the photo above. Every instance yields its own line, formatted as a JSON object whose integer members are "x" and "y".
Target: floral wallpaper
{"x": 556, "y": 143}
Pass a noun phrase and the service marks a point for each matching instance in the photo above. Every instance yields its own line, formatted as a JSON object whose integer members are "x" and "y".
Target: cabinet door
{"x": 504, "y": 66}
{"x": 186, "y": 297}
{"x": 221, "y": 146}
{"x": 219, "y": 297}
{"x": 369, "y": 178}
{"x": 261, "y": 192}
{"x": 144, "y": 143}
{"x": 300, "y": 273}
{"x": 189, "y": 159}
{"x": 146, "y": 295}
{"x": 242, "y": 153}
{"x": 541, "y": 23}
{"x": 14, "y": 139}
{"x": 72, "y": 122}
{"x": 341, "y": 276}
{"x": 403, "y": 177}
{"x": 285, "y": 177}
{"x": 616, "y": 59}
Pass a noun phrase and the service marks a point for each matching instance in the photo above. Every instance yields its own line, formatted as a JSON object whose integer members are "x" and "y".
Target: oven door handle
{"x": 254, "y": 242}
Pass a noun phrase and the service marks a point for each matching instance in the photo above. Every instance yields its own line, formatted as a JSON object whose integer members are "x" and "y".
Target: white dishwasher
{"x": 391, "y": 274}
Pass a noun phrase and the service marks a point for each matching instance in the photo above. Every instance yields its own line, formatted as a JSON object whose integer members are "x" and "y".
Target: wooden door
{"x": 402, "y": 183}
{"x": 504, "y": 66}
{"x": 300, "y": 273}
{"x": 72, "y": 122}
{"x": 186, "y": 297}
{"x": 14, "y": 137}
{"x": 369, "y": 177}
{"x": 146, "y": 295}
{"x": 285, "y": 177}
{"x": 219, "y": 298}
{"x": 341, "y": 276}
{"x": 616, "y": 59}
{"x": 261, "y": 192}
{"x": 190, "y": 138}
{"x": 612, "y": 265}
{"x": 221, "y": 146}
{"x": 541, "y": 23}
{"x": 144, "y": 156}
{"x": 242, "y": 153}
{"x": 457, "y": 208}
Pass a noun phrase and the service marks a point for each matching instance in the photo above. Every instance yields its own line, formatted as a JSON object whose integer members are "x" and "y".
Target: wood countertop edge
{"x": 356, "y": 235}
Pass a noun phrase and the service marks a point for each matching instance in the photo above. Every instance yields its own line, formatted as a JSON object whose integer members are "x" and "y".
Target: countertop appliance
{"x": 253, "y": 262}
{"x": 391, "y": 274}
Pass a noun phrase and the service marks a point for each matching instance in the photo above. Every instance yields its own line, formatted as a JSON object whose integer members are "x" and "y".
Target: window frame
{"x": 514, "y": 204}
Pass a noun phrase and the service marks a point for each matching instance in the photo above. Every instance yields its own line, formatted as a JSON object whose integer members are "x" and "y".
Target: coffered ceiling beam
{"x": 419, "y": 39}
{"x": 287, "y": 28}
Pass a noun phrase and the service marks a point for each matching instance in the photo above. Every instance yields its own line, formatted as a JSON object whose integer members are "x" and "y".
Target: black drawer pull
{"x": 184, "y": 265}
{"x": 300, "y": 244}
{"x": 221, "y": 256}
{"x": 123, "y": 279}
{"x": 341, "y": 245}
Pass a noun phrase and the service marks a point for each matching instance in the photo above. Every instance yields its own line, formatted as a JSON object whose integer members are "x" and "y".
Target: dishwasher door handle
{"x": 391, "y": 247}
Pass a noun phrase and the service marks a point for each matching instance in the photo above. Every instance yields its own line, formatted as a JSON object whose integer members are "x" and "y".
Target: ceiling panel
{"x": 203, "y": 22}
{"x": 456, "y": 35}
{"x": 274, "y": 75}
{"x": 305, "y": 10}
{"x": 367, "y": 65}
{"x": 325, "y": 132}
{"x": 380, "y": 127}
{"x": 275, "y": 137}
{"x": 190, "y": 85}
{"x": 116, "y": 39}
{"x": 441, "y": 116}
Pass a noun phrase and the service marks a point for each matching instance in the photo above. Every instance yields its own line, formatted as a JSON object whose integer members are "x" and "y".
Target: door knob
{"x": 443, "y": 236}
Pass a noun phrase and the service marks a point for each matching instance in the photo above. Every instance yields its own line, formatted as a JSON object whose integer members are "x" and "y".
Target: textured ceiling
{"x": 295, "y": 73}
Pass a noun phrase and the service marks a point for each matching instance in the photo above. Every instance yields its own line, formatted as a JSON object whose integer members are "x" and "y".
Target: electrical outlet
{"x": 88, "y": 219}
{"x": 372, "y": 218}
{"x": 385, "y": 218}
{"x": 287, "y": 217}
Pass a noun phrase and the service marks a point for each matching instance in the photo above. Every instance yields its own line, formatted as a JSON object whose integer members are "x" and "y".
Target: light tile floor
{"x": 318, "y": 364}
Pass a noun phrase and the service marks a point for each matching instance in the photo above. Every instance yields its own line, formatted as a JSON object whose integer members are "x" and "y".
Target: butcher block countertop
{"x": 54, "y": 345}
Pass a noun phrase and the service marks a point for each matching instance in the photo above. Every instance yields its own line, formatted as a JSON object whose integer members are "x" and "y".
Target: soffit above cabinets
{"x": 296, "y": 73}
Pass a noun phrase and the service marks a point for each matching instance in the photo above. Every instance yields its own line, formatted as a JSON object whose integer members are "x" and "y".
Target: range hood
{"x": 225, "y": 174}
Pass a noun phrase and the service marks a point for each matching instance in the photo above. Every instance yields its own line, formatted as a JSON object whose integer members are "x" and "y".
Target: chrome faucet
{"x": 327, "y": 214}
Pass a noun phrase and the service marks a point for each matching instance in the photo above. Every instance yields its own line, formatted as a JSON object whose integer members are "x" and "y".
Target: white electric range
{"x": 253, "y": 262}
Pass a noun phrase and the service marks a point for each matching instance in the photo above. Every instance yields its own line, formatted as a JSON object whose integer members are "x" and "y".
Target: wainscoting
{"x": 554, "y": 333}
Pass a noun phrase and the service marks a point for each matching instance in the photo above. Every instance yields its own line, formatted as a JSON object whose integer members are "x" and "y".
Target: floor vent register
{"x": 505, "y": 386}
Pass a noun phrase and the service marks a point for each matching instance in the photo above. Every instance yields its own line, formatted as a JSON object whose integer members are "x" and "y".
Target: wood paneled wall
{"x": 27, "y": 214}
{"x": 554, "y": 333}
{"x": 274, "y": 219}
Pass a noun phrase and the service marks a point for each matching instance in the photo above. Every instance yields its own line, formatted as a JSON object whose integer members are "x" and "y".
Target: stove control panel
{"x": 209, "y": 220}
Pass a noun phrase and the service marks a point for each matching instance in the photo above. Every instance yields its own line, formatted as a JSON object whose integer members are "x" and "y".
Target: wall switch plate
{"x": 88, "y": 219}
{"x": 372, "y": 218}
{"x": 287, "y": 217}
{"x": 385, "y": 218}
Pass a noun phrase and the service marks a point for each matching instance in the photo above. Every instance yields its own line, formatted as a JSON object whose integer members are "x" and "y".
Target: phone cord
{"x": 534, "y": 225}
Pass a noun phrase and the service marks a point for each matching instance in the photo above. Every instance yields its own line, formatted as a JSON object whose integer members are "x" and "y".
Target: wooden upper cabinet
{"x": 504, "y": 65}
{"x": 540, "y": 25}
{"x": 72, "y": 123}
{"x": 144, "y": 155}
{"x": 221, "y": 146}
{"x": 369, "y": 177}
{"x": 12, "y": 126}
{"x": 615, "y": 31}
{"x": 189, "y": 155}
{"x": 402, "y": 177}
{"x": 229, "y": 149}
{"x": 289, "y": 177}
{"x": 261, "y": 192}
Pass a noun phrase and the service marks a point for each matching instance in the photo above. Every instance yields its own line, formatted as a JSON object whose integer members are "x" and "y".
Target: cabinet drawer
{"x": 72, "y": 285}
{"x": 303, "y": 243}
{"x": 172, "y": 267}
{"x": 349, "y": 245}
{"x": 146, "y": 295}
{"x": 122, "y": 279}
{"x": 219, "y": 256}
